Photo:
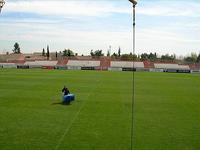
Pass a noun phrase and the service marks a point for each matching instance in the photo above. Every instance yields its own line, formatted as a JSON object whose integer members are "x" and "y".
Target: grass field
{"x": 166, "y": 114}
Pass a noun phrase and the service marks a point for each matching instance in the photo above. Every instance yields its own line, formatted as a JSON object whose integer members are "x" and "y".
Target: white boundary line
{"x": 70, "y": 125}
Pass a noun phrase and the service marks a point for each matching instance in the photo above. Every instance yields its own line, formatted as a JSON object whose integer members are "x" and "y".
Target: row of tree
{"x": 192, "y": 58}
{"x": 154, "y": 57}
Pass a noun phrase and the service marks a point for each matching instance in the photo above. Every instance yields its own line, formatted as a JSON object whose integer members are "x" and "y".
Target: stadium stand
{"x": 34, "y": 57}
{"x": 25, "y": 61}
{"x": 184, "y": 67}
{"x": 32, "y": 64}
{"x": 84, "y": 63}
{"x": 165, "y": 66}
{"x": 121, "y": 64}
{"x": 12, "y": 58}
{"x": 41, "y": 64}
{"x": 83, "y": 57}
{"x": 156, "y": 70}
{"x": 148, "y": 64}
{"x": 194, "y": 69}
{"x": 173, "y": 67}
{"x": 62, "y": 64}
{"x": 105, "y": 62}
{"x": 114, "y": 69}
{"x": 73, "y": 67}
{"x": 127, "y": 64}
{"x": 3, "y": 58}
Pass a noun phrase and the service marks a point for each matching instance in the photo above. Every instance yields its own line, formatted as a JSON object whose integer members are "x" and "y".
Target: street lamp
{"x": 134, "y": 2}
{"x": 2, "y": 2}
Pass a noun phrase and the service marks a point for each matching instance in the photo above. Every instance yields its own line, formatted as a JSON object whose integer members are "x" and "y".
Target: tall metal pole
{"x": 134, "y": 2}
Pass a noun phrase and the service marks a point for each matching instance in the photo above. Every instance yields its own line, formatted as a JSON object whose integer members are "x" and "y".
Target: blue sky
{"x": 163, "y": 26}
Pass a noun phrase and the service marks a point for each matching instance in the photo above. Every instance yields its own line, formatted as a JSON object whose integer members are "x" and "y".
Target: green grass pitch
{"x": 166, "y": 112}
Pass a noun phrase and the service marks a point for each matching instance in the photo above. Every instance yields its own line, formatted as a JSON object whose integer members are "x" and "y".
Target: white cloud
{"x": 157, "y": 40}
{"x": 53, "y": 29}
{"x": 65, "y": 7}
{"x": 59, "y": 38}
{"x": 169, "y": 8}
{"x": 173, "y": 37}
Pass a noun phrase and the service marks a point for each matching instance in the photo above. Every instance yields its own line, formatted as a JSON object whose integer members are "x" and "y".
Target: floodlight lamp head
{"x": 2, "y": 2}
{"x": 134, "y": 2}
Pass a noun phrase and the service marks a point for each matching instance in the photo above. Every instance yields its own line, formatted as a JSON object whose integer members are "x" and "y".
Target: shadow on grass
{"x": 61, "y": 103}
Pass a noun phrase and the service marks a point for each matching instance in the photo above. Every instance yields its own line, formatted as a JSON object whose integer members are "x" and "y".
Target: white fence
{"x": 156, "y": 70}
{"x": 83, "y": 63}
{"x": 126, "y": 64}
{"x": 195, "y": 71}
{"x": 40, "y": 63}
{"x": 171, "y": 66}
{"x": 8, "y": 65}
{"x": 114, "y": 69}
{"x": 74, "y": 68}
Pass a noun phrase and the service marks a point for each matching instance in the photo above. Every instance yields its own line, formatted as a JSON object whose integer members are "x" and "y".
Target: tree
{"x": 192, "y": 58}
{"x": 189, "y": 59}
{"x": 144, "y": 57}
{"x": 56, "y": 55}
{"x": 16, "y": 49}
{"x": 43, "y": 52}
{"x": 129, "y": 57}
{"x": 68, "y": 52}
{"x": 47, "y": 52}
{"x": 198, "y": 58}
{"x": 134, "y": 56}
{"x": 168, "y": 58}
{"x": 119, "y": 52}
{"x": 96, "y": 53}
{"x": 91, "y": 53}
{"x": 152, "y": 57}
{"x": 108, "y": 53}
{"x": 114, "y": 55}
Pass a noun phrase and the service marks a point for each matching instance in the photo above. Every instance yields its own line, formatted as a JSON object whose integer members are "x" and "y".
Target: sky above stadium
{"x": 163, "y": 26}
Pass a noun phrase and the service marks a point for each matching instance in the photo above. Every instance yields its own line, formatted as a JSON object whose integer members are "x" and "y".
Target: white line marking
{"x": 70, "y": 125}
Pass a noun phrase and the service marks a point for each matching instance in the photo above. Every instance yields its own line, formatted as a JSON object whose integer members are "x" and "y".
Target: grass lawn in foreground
{"x": 166, "y": 114}
{"x": 167, "y": 111}
{"x": 100, "y": 118}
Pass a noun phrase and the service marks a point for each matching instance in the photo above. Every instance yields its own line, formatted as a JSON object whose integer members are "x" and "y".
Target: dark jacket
{"x": 65, "y": 91}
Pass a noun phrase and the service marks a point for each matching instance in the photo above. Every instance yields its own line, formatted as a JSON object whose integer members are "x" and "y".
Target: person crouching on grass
{"x": 65, "y": 91}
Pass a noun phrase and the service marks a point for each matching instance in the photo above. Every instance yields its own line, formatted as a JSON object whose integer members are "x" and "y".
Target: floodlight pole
{"x": 134, "y": 2}
{"x": 2, "y": 2}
